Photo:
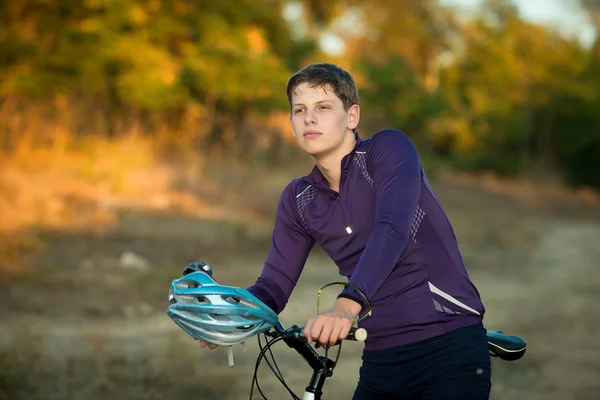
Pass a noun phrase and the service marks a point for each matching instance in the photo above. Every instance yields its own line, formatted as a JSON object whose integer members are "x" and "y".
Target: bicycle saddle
{"x": 505, "y": 347}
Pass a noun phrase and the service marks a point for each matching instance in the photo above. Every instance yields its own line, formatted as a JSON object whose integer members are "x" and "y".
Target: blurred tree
{"x": 490, "y": 90}
{"x": 506, "y": 92}
{"x": 580, "y": 143}
{"x": 394, "y": 47}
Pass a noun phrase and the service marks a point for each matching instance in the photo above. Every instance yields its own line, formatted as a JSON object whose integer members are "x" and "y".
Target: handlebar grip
{"x": 358, "y": 334}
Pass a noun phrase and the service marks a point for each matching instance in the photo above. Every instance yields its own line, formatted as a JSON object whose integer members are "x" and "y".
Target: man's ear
{"x": 353, "y": 116}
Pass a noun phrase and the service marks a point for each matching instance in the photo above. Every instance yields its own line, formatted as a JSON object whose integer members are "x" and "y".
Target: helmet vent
{"x": 187, "y": 299}
{"x": 245, "y": 327}
{"x": 202, "y": 299}
{"x": 188, "y": 284}
{"x": 219, "y": 317}
{"x": 239, "y": 301}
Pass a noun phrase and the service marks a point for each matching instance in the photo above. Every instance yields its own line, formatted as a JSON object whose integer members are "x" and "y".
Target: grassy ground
{"x": 83, "y": 296}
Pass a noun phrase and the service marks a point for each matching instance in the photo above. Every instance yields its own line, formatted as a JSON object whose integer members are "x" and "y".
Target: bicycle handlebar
{"x": 355, "y": 334}
{"x": 322, "y": 366}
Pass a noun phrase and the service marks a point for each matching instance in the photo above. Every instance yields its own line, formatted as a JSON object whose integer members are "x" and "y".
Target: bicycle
{"x": 227, "y": 315}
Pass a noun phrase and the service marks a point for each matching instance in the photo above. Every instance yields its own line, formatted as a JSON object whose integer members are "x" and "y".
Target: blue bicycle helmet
{"x": 217, "y": 314}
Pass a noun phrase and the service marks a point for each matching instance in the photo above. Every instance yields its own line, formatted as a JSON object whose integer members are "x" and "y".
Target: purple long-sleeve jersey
{"x": 388, "y": 234}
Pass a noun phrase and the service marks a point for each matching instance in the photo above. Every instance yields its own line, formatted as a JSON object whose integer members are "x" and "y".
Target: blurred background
{"x": 137, "y": 136}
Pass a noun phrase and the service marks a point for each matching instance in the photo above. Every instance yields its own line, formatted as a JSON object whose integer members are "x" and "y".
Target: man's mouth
{"x": 312, "y": 134}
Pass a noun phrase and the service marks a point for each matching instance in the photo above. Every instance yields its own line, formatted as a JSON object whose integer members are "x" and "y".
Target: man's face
{"x": 319, "y": 121}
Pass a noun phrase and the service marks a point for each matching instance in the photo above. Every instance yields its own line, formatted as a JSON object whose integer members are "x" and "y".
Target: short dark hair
{"x": 325, "y": 75}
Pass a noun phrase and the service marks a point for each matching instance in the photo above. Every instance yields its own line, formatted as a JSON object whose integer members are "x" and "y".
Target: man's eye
{"x": 324, "y": 107}
{"x": 298, "y": 110}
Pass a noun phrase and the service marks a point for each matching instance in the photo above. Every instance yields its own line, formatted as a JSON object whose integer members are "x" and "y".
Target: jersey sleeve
{"x": 285, "y": 261}
{"x": 394, "y": 164}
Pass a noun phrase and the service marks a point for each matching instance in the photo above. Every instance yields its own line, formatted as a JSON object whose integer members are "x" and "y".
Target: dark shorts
{"x": 453, "y": 366}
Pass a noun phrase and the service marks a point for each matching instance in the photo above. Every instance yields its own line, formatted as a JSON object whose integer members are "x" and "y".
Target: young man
{"x": 370, "y": 206}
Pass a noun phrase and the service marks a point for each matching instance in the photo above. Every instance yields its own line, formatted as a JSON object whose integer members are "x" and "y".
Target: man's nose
{"x": 309, "y": 117}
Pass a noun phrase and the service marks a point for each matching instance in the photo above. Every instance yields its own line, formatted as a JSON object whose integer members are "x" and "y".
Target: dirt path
{"x": 539, "y": 280}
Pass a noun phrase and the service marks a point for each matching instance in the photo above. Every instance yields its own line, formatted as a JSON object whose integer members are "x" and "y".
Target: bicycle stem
{"x": 322, "y": 366}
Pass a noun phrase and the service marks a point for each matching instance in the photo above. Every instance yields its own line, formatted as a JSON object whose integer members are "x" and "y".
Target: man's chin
{"x": 317, "y": 154}
{"x": 314, "y": 151}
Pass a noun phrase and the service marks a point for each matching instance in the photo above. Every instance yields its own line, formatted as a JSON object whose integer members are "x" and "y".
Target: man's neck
{"x": 330, "y": 164}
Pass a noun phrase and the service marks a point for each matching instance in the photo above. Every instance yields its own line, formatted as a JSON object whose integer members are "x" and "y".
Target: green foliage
{"x": 487, "y": 92}
{"x": 517, "y": 95}
{"x": 396, "y": 94}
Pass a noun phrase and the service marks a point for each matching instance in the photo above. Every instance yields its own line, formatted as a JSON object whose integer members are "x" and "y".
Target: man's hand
{"x": 209, "y": 345}
{"x": 333, "y": 325}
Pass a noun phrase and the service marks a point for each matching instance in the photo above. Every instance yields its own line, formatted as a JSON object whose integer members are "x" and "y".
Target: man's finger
{"x": 325, "y": 332}
{"x": 345, "y": 331}
{"x": 307, "y": 330}
{"x": 316, "y": 329}
{"x": 335, "y": 334}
